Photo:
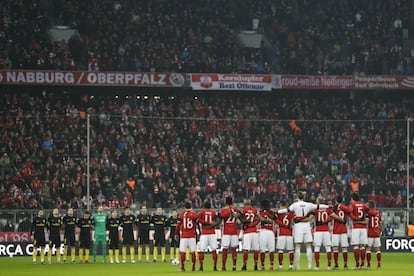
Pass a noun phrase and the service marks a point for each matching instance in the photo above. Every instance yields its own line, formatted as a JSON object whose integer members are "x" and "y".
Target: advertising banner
{"x": 24, "y": 248}
{"x": 213, "y": 82}
{"x": 344, "y": 82}
{"x": 397, "y": 244}
{"x": 14, "y": 237}
{"x": 236, "y": 82}
{"x": 384, "y": 82}
{"x": 17, "y": 249}
{"x": 80, "y": 78}
{"x": 316, "y": 82}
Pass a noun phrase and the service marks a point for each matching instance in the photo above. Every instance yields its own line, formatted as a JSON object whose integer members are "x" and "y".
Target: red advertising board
{"x": 344, "y": 82}
{"x": 237, "y": 82}
{"x": 384, "y": 82}
{"x": 91, "y": 78}
{"x": 14, "y": 237}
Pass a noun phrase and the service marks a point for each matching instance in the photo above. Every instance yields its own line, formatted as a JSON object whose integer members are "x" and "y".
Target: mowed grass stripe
{"x": 392, "y": 264}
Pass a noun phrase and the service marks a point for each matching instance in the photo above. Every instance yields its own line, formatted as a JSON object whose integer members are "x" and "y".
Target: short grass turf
{"x": 392, "y": 264}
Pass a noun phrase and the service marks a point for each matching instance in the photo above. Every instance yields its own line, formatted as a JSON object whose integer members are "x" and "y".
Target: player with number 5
{"x": 359, "y": 235}
{"x": 374, "y": 223}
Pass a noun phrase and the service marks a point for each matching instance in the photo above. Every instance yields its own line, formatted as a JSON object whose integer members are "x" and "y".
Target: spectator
{"x": 9, "y": 226}
{"x": 410, "y": 229}
{"x": 5, "y": 165}
{"x": 24, "y": 225}
{"x": 388, "y": 230}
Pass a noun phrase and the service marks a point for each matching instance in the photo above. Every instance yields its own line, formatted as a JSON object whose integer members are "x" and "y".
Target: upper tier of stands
{"x": 302, "y": 36}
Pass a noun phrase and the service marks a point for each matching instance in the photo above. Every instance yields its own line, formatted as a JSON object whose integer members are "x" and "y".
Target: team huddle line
{"x": 292, "y": 224}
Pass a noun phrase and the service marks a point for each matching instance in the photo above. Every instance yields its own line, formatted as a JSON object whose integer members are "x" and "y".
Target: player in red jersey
{"x": 208, "y": 237}
{"x": 322, "y": 236}
{"x": 375, "y": 226}
{"x": 187, "y": 226}
{"x": 285, "y": 236}
{"x": 250, "y": 221}
{"x": 267, "y": 234}
{"x": 359, "y": 235}
{"x": 230, "y": 238}
{"x": 340, "y": 232}
{"x": 302, "y": 232}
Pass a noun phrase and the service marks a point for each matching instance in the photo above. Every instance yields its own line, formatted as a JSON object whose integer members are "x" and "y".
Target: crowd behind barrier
{"x": 161, "y": 151}
{"x": 326, "y": 37}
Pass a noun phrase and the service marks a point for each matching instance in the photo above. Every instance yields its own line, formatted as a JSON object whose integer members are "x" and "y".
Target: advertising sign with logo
{"x": 397, "y": 244}
{"x": 235, "y": 82}
{"x": 17, "y": 249}
{"x": 80, "y": 78}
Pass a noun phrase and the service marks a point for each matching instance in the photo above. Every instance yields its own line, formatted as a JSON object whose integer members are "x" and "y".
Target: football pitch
{"x": 392, "y": 264}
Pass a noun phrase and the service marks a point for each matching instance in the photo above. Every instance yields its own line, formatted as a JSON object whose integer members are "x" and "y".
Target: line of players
{"x": 294, "y": 229}
{"x": 100, "y": 223}
{"x": 293, "y": 223}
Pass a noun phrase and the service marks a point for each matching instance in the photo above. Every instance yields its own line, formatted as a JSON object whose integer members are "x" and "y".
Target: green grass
{"x": 392, "y": 264}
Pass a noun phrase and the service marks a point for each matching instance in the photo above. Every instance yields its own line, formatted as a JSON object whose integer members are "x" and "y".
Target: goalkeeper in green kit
{"x": 99, "y": 237}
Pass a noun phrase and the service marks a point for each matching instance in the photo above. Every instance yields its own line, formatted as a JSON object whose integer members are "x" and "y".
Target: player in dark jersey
{"x": 143, "y": 222}
{"x": 127, "y": 224}
{"x": 69, "y": 223}
{"x": 160, "y": 226}
{"x": 85, "y": 224}
{"x": 38, "y": 235}
{"x": 54, "y": 225}
{"x": 112, "y": 225}
{"x": 172, "y": 224}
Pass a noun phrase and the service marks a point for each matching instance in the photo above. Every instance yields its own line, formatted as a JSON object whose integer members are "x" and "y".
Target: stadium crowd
{"x": 164, "y": 150}
{"x": 203, "y": 150}
{"x": 326, "y": 37}
{"x": 242, "y": 146}
{"x": 337, "y": 37}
